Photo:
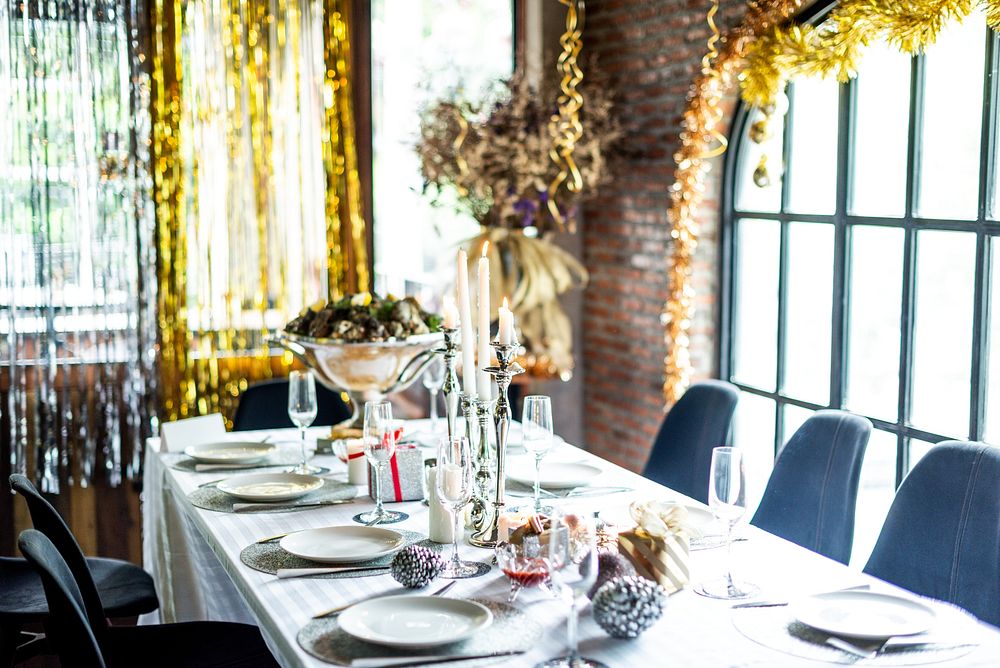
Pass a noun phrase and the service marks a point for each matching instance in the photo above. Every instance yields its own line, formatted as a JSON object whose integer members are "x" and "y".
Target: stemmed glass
{"x": 380, "y": 445}
{"x": 456, "y": 468}
{"x": 536, "y": 422}
{"x": 727, "y": 499}
{"x": 302, "y": 410}
{"x": 573, "y": 569}
{"x": 433, "y": 379}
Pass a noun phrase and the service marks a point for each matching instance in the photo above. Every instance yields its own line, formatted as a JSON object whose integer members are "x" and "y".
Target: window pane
{"x": 993, "y": 385}
{"x": 753, "y": 430}
{"x": 881, "y": 124}
{"x": 873, "y": 335}
{"x": 749, "y": 196}
{"x": 949, "y": 166}
{"x": 756, "y": 303}
{"x": 810, "y": 297}
{"x": 878, "y": 486}
{"x": 812, "y": 178}
{"x": 918, "y": 449}
{"x": 943, "y": 331}
{"x": 792, "y": 418}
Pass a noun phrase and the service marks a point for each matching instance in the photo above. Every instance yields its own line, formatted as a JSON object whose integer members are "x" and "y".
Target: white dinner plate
{"x": 556, "y": 475}
{"x": 700, "y": 519}
{"x": 342, "y": 544}
{"x": 270, "y": 486}
{"x": 414, "y": 621}
{"x": 229, "y": 452}
{"x": 863, "y": 614}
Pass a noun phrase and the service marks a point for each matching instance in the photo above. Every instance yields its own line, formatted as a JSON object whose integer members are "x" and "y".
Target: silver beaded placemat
{"x": 775, "y": 628}
{"x": 511, "y": 631}
{"x": 211, "y": 497}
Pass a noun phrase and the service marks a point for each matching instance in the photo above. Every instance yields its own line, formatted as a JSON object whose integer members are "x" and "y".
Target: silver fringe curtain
{"x": 77, "y": 251}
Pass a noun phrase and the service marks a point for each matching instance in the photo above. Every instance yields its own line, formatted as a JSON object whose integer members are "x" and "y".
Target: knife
{"x": 251, "y": 507}
{"x": 285, "y": 573}
{"x": 333, "y": 612}
{"x": 201, "y": 468}
{"x": 404, "y": 661}
{"x": 779, "y": 604}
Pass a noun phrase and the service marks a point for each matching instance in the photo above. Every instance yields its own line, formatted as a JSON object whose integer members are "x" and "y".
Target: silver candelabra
{"x": 451, "y": 388}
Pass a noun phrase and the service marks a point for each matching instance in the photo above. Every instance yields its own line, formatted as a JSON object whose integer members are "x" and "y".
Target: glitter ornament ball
{"x": 627, "y": 606}
{"x": 415, "y": 566}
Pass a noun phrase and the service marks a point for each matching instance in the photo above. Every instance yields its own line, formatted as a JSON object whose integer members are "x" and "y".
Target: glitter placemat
{"x": 775, "y": 628}
{"x": 511, "y": 631}
{"x": 211, "y": 497}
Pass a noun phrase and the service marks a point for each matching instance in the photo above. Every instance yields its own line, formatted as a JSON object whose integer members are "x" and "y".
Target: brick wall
{"x": 652, "y": 50}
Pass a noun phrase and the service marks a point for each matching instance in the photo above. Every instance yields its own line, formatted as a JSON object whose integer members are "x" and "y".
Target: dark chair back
{"x": 46, "y": 519}
{"x": 67, "y": 627}
{"x": 697, "y": 423}
{"x": 265, "y": 406}
{"x": 942, "y": 535}
{"x": 813, "y": 490}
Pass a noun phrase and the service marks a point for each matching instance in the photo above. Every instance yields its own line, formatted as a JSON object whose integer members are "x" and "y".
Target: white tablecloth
{"x": 194, "y": 557}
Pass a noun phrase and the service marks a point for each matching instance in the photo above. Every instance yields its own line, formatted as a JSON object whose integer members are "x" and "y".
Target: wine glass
{"x": 536, "y": 435}
{"x": 727, "y": 499}
{"x": 302, "y": 410}
{"x": 380, "y": 445}
{"x": 572, "y": 558}
{"x": 456, "y": 468}
{"x": 433, "y": 379}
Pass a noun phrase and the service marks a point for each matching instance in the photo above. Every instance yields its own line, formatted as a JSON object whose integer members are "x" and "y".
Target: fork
{"x": 333, "y": 612}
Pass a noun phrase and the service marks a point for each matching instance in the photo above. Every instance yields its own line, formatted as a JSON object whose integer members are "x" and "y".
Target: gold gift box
{"x": 662, "y": 560}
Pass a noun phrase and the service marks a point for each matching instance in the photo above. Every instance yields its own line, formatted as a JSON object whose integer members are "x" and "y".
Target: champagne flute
{"x": 456, "y": 468}
{"x": 302, "y": 410}
{"x": 433, "y": 380}
{"x": 727, "y": 499}
{"x": 380, "y": 445}
{"x": 536, "y": 436}
{"x": 572, "y": 558}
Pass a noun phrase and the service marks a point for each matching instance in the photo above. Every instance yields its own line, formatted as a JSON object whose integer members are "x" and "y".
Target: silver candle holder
{"x": 488, "y": 534}
{"x": 450, "y": 388}
{"x": 479, "y": 499}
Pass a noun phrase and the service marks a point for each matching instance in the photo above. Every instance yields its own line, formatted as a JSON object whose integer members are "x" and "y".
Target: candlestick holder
{"x": 488, "y": 534}
{"x": 479, "y": 499}
{"x": 450, "y": 388}
{"x": 482, "y": 497}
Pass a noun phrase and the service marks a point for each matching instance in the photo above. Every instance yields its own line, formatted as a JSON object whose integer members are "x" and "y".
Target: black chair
{"x": 120, "y": 588}
{"x": 265, "y": 406}
{"x": 79, "y": 643}
{"x": 697, "y": 423}
{"x": 941, "y": 537}
{"x": 813, "y": 490}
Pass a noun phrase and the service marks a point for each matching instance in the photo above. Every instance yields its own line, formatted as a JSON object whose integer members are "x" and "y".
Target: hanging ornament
{"x": 760, "y": 130}
{"x": 761, "y": 177}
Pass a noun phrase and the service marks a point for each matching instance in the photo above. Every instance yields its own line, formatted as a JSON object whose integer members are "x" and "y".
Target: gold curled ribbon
{"x": 565, "y": 125}
{"x": 712, "y": 74}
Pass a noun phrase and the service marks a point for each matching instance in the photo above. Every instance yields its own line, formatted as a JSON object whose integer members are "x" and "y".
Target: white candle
{"x": 450, "y": 313}
{"x": 505, "y": 329}
{"x": 465, "y": 318}
{"x": 483, "y": 358}
{"x": 357, "y": 465}
{"x": 451, "y": 486}
{"x": 441, "y": 521}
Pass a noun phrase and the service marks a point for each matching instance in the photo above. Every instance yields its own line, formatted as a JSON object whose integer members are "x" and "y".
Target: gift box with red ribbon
{"x": 402, "y": 477}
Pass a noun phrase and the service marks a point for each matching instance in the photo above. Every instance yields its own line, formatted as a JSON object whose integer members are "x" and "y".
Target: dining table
{"x": 194, "y": 557}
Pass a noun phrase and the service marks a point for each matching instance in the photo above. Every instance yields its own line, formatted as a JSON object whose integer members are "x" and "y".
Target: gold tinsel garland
{"x": 764, "y": 52}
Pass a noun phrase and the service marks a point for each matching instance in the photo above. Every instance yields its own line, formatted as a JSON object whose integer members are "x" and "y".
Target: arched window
{"x": 862, "y": 277}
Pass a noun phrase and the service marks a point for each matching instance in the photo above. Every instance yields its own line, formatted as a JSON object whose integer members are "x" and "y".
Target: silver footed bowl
{"x": 366, "y": 371}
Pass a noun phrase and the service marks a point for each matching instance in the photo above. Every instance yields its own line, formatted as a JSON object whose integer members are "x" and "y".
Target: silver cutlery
{"x": 270, "y": 538}
{"x": 574, "y": 493}
{"x": 286, "y": 573}
{"x": 251, "y": 507}
{"x": 873, "y": 649}
{"x": 202, "y": 468}
{"x": 333, "y": 612}
{"x": 406, "y": 661}
{"x": 778, "y": 604}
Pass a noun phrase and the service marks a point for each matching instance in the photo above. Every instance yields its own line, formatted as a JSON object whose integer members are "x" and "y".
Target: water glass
{"x": 727, "y": 499}
{"x": 433, "y": 380}
{"x": 455, "y": 480}
{"x": 302, "y": 409}
{"x": 536, "y": 422}
{"x": 379, "y": 436}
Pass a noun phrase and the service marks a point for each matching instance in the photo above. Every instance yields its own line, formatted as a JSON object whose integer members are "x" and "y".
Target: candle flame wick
{"x": 505, "y": 303}
{"x": 486, "y": 247}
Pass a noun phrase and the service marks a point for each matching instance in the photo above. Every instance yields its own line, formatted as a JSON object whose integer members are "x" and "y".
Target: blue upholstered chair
{"x": 942, "y": 535}
{"x": 812, "y": 492}
{"x": 80, "y": 642}
{"x": 682, "y": 452}
{"x": 264, "y": 405}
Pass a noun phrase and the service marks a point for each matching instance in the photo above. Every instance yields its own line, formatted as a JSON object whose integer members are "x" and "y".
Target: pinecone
{"x": 627, "y": 606}
{"x": 415, "y": 566}
{"x": 609, "y": 567}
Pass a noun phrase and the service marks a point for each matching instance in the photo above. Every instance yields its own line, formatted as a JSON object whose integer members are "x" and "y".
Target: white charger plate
{"x": 863, "y": 614}
{"x": 342, "y": 544}
{"x": 414, "y": 621}
{"x": 556, "y": 475}
{"x": 699, "y": 518}
{"x": 230, "y": 452}
{"x": 270, "y": 486}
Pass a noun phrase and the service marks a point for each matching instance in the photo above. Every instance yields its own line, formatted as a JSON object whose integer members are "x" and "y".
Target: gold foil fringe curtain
{"x": 762, "y": 53}
{"x": 257, "y": 190}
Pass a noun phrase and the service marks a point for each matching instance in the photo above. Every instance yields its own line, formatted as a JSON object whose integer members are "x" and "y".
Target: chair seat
{"x": 125, "y": 589}
{"x": 188, "y": 645}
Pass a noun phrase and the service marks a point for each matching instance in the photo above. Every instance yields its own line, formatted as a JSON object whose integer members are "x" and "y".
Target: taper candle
{"x": 450, "y": 313}
{"x": 483, "y": 358}
{"x": 505, "y": 326}
{"x": 465, "y": 319}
